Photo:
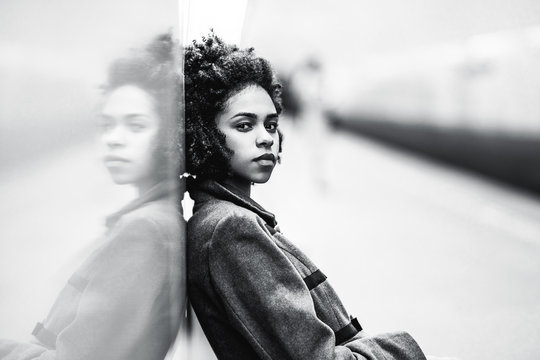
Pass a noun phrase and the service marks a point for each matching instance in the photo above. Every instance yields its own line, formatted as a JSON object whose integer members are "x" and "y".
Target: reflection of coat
{"x": 258, "y": 297}
{"x": 126, "y": 299}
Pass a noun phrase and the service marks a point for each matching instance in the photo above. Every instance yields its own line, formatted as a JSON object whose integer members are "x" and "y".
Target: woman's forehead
{"x": 252, "y": 98}
{"x": 128, "y": 99}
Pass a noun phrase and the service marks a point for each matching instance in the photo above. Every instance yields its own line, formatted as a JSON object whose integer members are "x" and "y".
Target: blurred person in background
{"x": 304, "y": 86}
{"x": 127, "y": 298}
{"x": 256, "y": 295}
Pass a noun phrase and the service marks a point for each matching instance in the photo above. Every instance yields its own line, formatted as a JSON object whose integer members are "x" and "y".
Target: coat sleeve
{"x": 268, "y": 302}
{"x": 13, "y": 350}
{"x": 127, "y": 309}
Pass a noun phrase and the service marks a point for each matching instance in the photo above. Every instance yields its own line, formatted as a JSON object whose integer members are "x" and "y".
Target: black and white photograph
{"x": 256, "y": 179}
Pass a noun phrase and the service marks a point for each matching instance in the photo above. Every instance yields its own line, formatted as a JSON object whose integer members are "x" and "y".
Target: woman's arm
{"x": 129, "y": 308}
{"x": 268, "y": 302}
{"x": 13, "y": 350}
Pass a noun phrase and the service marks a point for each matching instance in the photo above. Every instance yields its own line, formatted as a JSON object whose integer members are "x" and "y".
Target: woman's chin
{"x": 261, "y": 179}
{"x": 120, "y": 179}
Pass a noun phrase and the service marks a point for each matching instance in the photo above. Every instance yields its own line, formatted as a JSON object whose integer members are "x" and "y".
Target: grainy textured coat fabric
{"x": 259, "y": 297}
{"x": 126, "y": 300}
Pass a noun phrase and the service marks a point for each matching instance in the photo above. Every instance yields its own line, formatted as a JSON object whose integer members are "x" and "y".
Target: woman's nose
{"x": 114, "y": 137}
{"x": 264, "y": 138}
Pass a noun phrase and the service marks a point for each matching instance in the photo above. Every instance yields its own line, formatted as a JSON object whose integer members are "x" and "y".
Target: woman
{"x": 126, "y": 300}
{"x": 255, "y": 293}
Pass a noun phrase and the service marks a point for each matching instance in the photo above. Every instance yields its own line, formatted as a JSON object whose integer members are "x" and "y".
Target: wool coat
{"x": 126, "y": 300}
{"x": 257, "y": 296}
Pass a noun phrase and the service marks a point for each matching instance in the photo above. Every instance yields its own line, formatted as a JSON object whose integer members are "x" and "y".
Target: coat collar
{"x": 162, "y": 190}
{"x": 203, "y": 191}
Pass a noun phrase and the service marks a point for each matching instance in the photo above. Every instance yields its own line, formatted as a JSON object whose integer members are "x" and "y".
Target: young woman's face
{"x": 129, "y": 127}
{"x": 249, "y": 122}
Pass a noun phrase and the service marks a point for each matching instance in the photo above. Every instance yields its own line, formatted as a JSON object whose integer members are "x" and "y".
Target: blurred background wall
{"x": 456, "y": 80}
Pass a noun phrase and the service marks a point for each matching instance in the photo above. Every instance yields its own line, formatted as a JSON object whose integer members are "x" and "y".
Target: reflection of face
{"x": 129, "y": 127}
{"x": 249, "y": 122}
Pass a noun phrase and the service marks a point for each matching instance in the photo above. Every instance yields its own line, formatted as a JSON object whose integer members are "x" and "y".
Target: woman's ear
{"x": 280, "y": 139}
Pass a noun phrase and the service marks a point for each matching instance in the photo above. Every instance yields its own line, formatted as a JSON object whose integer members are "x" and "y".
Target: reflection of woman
{"x": 125, "y": 301}
{"x": 255, "y": 293}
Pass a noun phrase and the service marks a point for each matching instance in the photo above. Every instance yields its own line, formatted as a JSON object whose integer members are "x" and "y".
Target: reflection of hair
{"x": 215, "y": 71}
{"x": 154, "y": 69}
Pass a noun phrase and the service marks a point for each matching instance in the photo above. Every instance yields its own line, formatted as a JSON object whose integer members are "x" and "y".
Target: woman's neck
{"x": 242, "y": 185}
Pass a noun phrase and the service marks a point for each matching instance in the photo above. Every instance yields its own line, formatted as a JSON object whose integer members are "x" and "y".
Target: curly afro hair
{"x": 155, "y": 70}
{"x": 213, "y": 72}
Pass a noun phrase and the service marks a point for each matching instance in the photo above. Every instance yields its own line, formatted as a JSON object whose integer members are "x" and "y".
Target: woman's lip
{"x": 112, "y": 158}
{"x": 266, "y": 157}
{"x": 265, "y": 162}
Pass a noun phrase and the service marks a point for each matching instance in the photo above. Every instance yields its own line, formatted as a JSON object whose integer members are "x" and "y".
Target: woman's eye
{"x": 271, "y": 127}
{"x": 136, "y": 127}
{"x": 105, "y": 125}
{"x": 243, "y": 126}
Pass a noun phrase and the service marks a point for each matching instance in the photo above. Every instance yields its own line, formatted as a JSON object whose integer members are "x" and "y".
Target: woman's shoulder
{"x": 216, "y": 210}
{"x": 221, "y": 229}
{"x": 221, "y": 216}
{"x": 158, "y": 212}
{"x": 153, "y": 221}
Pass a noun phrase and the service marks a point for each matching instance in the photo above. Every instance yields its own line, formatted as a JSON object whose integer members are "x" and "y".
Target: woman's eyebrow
{"x": 130, "y": 115}
{"x": 245, "y": 114}
{"x": 126, "y": 116}
{"x": 254, "y": 116}
{"x": 135, "y": 116}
